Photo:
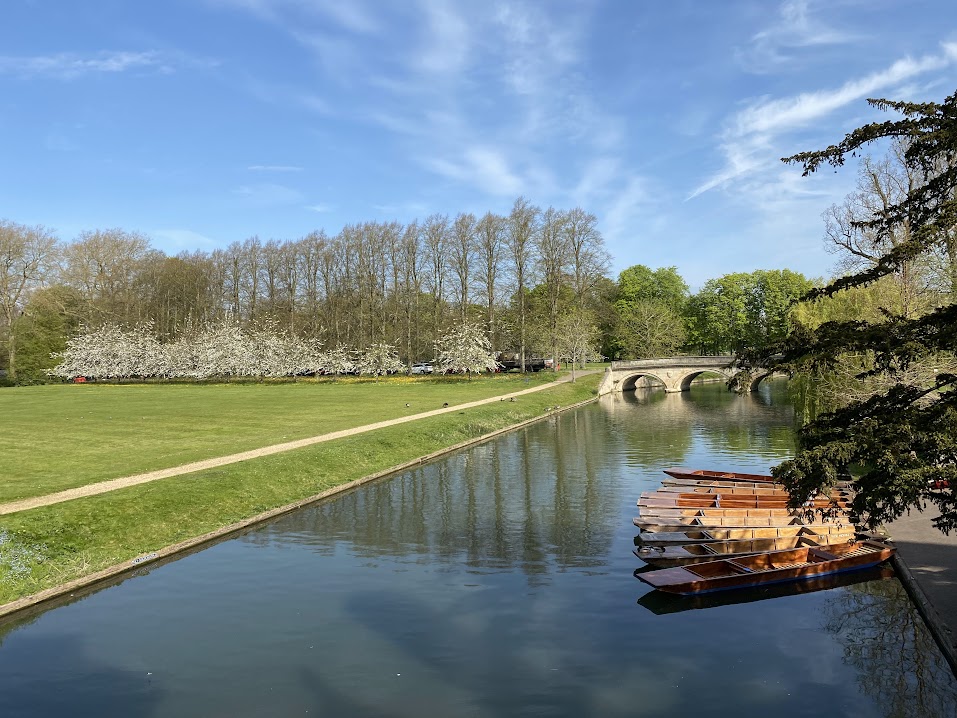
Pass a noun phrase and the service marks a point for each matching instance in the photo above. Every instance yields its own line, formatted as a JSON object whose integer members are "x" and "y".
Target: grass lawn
{"x": 80, "y": 537}
{"x": 63, "y": 436}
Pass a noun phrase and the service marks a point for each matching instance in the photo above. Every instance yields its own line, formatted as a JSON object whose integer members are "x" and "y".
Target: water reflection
{"x": 495, "y": 582}
{"x": 477, "y": 509}
{"x": 885, "y": 639}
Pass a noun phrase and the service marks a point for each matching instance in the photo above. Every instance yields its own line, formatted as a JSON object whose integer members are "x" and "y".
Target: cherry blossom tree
{"x": 379, "y": 359}
{"x": 465, "y": 349}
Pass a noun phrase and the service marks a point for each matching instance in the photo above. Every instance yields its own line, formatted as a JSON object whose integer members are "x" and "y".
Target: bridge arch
{"x": 692, "y": 375}
{"x": 630, "y": 383}
{"x": 675, "y": 373}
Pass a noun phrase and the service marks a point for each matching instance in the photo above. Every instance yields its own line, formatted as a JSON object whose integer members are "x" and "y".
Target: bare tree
{"x": 27, "y": 258}
{"x": 881, "y": 184}
{"x": 462, "y": 251}
{"x": 435, "y": 238}
{"x": 104, "y": 266}
{"x": 491, "y": 240}
{"x": 590, "y": 260}
{"x": 553, "y": 258}
{"x": 521, "y": 227}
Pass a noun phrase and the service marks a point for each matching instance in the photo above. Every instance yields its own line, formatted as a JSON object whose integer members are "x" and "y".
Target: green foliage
{"x": 661, "y": 286}
{"x": 648, "y": 306}
{"x": 743, "y": 310}
{"x": 902, "y": 437}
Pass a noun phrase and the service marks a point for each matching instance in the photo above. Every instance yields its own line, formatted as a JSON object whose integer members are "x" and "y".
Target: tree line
{"x": 535, "y": 279}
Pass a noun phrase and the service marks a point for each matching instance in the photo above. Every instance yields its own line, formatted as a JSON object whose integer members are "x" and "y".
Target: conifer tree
{"x": 900, "y": 443}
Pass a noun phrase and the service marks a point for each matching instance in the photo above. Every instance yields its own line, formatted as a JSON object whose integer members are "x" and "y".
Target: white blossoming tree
{"x": 339, "y": 361}
{"x": 577, "y": 339}
{"x": 379, "y": 359}
{"x": 465, "y": 349}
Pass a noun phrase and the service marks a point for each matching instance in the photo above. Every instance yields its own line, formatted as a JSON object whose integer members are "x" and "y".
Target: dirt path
{"x": 103, "y": 487}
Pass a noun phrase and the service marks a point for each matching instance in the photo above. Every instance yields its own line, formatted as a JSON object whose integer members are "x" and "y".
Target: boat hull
{"x": 768, "y": 568}
{"x": 684, "y": 554}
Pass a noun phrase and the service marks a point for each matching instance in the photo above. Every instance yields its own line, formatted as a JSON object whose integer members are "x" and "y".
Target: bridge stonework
{"x": 676, "y": 373}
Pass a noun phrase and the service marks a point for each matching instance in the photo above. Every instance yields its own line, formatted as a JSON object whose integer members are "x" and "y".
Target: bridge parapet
{"x": 705, "y": 361}
{"x": 675, "y": 373}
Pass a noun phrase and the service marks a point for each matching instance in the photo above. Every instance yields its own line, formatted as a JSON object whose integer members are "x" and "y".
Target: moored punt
{"x": 764, "y": 568}
{"x": 690, "y": 523}
{"x": 663, "y": 500}
{"x": 689, "y": 535}
{"x": 711, "y": 487}
{"x": 661, "y": 603}
{"x": 682, "y": 473}
{"x": 651, "y": 512}
{"x": 726, "y": 483}
{"x": 682, "y": 554}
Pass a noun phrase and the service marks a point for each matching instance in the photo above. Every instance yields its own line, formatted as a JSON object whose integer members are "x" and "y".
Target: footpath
{"x": 926, "y": 561}
{"x": 103, "y": 487}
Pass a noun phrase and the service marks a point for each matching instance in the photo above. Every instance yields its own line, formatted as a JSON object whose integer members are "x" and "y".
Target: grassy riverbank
{"x": 64, "y": 436}
{"x": 80, "y": 537}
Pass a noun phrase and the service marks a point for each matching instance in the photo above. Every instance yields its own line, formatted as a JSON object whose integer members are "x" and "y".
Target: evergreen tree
{"x": 901, "y": 441}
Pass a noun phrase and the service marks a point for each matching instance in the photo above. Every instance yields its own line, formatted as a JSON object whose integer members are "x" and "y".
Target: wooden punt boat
{"x": 680, "y": 555}
{"x": 722, "y": 483}
{"x": 690, "y": 523}
{"x": 663, "y": 500}
{"x": 700, "y": 487}
{"x": 661, "y": 603}
{"x": 652, "y": 512}
{"x": 688, "y": 535}
{"x": 682, "y": 473}
{"x": 764, "y": 568}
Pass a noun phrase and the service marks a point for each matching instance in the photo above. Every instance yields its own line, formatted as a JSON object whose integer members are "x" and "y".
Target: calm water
{"x": 497, "y": 582}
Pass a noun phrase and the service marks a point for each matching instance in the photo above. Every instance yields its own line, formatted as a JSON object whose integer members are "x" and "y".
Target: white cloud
{"x": 67, "y": 65}
{"x": 794, "y": 29}
{"x": 751, "y": 143}
{"x": 485, "y": 167}
{"x": 447, "y": 46}
{"x": 320, "y": 207}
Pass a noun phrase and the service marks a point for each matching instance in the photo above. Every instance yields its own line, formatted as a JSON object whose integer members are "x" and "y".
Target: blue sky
{"x": 203, "y": 122}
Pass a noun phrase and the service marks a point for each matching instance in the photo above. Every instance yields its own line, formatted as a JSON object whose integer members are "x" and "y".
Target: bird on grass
{"x": 445, "y": 405}
{"x": 407, "y": 405}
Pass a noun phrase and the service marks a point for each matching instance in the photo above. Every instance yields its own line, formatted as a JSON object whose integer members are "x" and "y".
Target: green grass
{"x": 80, "y": 537}
{"x": 63, "y": 436}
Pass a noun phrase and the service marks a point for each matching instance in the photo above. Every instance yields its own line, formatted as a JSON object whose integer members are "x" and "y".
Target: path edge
{"x": 935, "y": 624}
{"x": 49, "y": 594}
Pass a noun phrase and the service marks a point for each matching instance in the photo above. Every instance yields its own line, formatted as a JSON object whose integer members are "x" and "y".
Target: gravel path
{"x": 103, "y": 487}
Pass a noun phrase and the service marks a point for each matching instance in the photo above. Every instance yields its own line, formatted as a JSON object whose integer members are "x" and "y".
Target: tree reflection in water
{"x": 885, "y": 638}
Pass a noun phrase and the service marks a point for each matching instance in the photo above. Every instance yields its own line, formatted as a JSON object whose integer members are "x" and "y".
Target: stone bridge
{"x": 676, "y": 373}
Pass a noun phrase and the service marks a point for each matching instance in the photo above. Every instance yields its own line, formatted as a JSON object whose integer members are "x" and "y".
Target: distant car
{"x": 423, "y": 368}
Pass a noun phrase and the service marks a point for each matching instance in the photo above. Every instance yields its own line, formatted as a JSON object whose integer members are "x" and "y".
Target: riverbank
{"x": 926, "y": 562}
{"x": 90, "y": 539}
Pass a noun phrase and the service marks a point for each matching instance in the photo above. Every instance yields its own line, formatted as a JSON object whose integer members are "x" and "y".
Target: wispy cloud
{"x": 796, "y": 27}
{"x": 67, "y": 65}
{"x": 749, "y": 141}
{"x": 485, "y": 167}
{"x": 321, "y": 207}
{"x": 274, "y": 168}
{"x": 448, "y": 40}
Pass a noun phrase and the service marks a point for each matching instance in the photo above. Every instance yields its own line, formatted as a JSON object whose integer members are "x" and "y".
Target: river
{"x": 497, "y": 581}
